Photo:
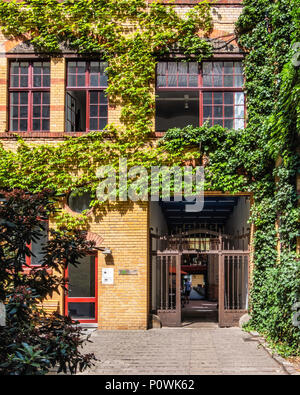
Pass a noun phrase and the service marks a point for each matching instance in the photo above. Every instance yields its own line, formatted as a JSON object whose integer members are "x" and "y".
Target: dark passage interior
{"x": 196, "y": 236}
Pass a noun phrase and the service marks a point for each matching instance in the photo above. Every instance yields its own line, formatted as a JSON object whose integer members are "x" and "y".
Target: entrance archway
{"x": 217, "y": 263}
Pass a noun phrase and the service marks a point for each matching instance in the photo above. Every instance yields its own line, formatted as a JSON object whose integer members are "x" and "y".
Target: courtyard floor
{"x": 196, "y": 349}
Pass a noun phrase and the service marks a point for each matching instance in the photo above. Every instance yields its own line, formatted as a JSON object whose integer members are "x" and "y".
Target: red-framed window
{"x": 81, "y": 299}
{"x": 29, "y": 96}
{"x": 189, "y": 93}
{"x": 86, "y": 102}
{"x": 36, "y": 246}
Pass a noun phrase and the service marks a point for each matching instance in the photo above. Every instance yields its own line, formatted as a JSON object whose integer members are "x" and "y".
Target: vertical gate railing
{"x": 168, "y": 293}
{"x": 233, "y": 263}
{"x": 233, "y": 290}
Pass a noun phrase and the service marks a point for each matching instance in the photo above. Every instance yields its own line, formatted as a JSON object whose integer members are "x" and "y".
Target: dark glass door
{"x": 81, "y": 299}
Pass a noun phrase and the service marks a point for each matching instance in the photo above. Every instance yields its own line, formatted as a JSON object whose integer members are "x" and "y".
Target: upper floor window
{"x": 29, "y": 96}
{"x": 86, "y": 102}
{"x": 190, "y": 94}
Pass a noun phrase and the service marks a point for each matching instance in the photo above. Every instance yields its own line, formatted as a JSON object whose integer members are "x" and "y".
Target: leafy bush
{"x": 33, "y": 342}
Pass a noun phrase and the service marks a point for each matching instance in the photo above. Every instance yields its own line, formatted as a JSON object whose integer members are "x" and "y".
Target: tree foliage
{"x": 33, "y": 341}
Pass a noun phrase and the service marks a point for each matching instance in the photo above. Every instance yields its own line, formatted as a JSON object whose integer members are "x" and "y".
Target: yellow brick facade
{"x": 124, "y": 227}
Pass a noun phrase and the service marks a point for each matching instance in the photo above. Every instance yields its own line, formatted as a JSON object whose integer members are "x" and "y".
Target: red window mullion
{"x": 87, "y": 123}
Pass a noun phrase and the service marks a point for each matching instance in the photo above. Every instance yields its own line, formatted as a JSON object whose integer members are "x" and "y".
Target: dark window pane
{"x": 162, "y": 68}
{"x": 103, "y": 98}
{"x": 46, "y": 97}
{"x": 15, "y": 81}
{"x": 218, "y": 68}
{"x": 36, "y": 112}
{"x": 15, "y": 112}
{"x": 228, "y": 67}
{"x": 218, "y": 98}
{"x": 207, "y": 111}
{"x": 45, "y": 124}
{"x": 36, "y": 124}
{"x": 207, "y": 67}
{"x": 207, "y": 98}
{"x": 228, "y": 97}
{"x": 228, "y": 80}
{"x": 228, "y": 123}
{"x": 94, "y": 80}
{"x": 14, "y": 125}
{"x": 71, "y": 80}
{"x": 182, "y": 80}
{"x": 14, "y": 98}
{"x": 14, "y": 68}
{"x": 46, "y": 80}
{"x": 95, "y": 67}
{"x": 93, "y": 123}
{"x": 172, "y": 80}
{"x": 38, "y": 244}
{"x": 37, "y": 98}
{"x": 218, "y": 112}
{"x": 172, "y": 68}
{"x": 103, "y": 80}
{"x": 37, "y": 80}
{"x": 46, "y": 112}
{"x": 193, "y": 68}
{"x": 103, "y": 123}
{"x": 94, "y": 97}
{"x": 193, "y": 80}
{"x": 81, "y": 67}
{"x": 24, "y": 67}
{"x": 72, "y": 67}
{"x": 23, "y": 111}
{"x": 23, "y": 81}
{"x": 37, "y": 68}
{"x": 228, "y": 112}
{"x": 207, "y": 80}
{"x": 218, "y": 122}
{"x": 83, "y": 310}
{"x": 94, "y": 111}
{"x": 103, "y": 111}
{"x": 82, "y": 278}
{"x": 46, "y": 67}
{"x": 218, "y": 80}
{"x": 182, "y": 68}
{"x": 81, "y": 80}
{"x": 23, "y": 97}
{"x": 23, "y": 124}
{"x": 161, "y": 81}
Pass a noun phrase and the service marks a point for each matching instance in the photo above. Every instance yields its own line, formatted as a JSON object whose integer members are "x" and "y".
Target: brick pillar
{"x": 57, "y": 95}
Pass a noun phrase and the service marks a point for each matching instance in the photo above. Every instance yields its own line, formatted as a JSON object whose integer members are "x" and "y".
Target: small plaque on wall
{"x": 107, "y": 276}
{"x": 128, "y": 272}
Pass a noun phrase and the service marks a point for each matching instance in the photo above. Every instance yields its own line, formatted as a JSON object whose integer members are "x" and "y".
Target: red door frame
{"x": 86, "y": 299}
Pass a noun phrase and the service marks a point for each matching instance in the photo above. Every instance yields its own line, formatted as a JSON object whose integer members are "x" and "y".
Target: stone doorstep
{"x": 286, "y": 366}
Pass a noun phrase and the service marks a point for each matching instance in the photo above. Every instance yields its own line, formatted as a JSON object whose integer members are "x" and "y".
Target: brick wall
{"x": 124, "y": 227}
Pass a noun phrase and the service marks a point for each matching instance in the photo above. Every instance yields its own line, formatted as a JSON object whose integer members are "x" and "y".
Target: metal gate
{"x": 168, "y": 293}
{"x": 233, "y": 287}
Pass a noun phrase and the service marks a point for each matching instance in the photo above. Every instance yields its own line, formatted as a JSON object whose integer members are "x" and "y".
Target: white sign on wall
{"x": 107, "y": 276}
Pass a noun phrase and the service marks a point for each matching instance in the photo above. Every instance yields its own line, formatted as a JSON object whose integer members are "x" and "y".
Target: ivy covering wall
{"x": 237, "y": 160}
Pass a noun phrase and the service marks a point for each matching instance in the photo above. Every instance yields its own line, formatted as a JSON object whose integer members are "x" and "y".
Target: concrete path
{"x": 206, "y": 349}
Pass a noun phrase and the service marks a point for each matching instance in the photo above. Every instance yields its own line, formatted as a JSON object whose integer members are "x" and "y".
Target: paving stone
{"x": 208, "y": 350}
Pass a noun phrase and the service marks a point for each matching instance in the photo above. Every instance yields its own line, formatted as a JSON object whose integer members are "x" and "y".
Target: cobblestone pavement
{"x": 205, "y": 350}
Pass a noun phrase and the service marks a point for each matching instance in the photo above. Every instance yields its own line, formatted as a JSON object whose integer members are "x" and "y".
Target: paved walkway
{"x": 206, "y": 349}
